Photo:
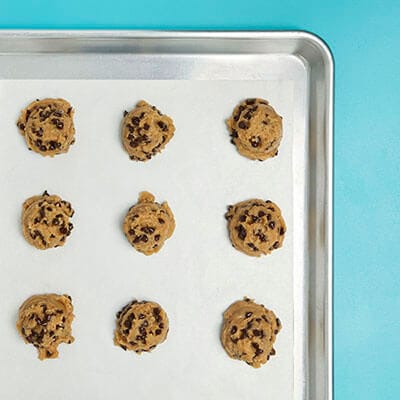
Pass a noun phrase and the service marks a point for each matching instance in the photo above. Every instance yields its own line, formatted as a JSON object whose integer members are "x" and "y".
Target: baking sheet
{"x": 197, "y": 274}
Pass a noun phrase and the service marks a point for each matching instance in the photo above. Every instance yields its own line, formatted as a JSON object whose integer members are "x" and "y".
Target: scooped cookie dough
{"x": 145, "y": 131}
{"x": 46, "y": 221}
{"x": 256, "y": 227}
{"x": 48, "y": 126}
{"x": 44, "y": 320}
{"x": 249, "y": 332}
{"x": 148, "y": 224}
{"x": 141, "y": 326}
{"x": 256, "y": 129}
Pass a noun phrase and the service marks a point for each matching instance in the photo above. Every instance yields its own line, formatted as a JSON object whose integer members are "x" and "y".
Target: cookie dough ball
{"x": 148, "y": 224}
{"x": 48, "y": 126}
{"x": 256, "y": 227}
{"x": 256, "y": 129}
{"x": 249, "y": 332}
{"x": 46, "y": 221}
{"x": 141, "y": 326}
{"x": 44, "y": 320}
{"x": 146, "y": 131}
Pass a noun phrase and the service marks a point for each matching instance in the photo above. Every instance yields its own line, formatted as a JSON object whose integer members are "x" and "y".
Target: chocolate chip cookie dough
{"x": 44, "y": 320}
{"x": 249, "y": 331}
{"x": 141, "y": 326}
{"x": 256, "y": 129}
{"x": 256, "y": 227}
{"x": 148, "y": 224}
{"x": 145, "y": 131}
{"x": 46, "y": 221}
{"x": 48, "y": 126}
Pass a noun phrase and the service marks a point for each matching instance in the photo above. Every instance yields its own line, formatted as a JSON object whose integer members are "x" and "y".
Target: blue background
{"x": 364, "y": 37}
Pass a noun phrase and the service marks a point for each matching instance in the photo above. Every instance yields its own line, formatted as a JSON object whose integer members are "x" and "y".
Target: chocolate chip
{"x": 60, "y": 125}
{"x": 234, "y": 340}
{"x": 128, "y": 324}
{"x": 265, "y": 122}
{"x": 157, "y": 237}
{"x": 278, "y": 322}
{"x": 63, "y": 230}
{"x": 234, "y": 133}
{"x": 123, "y": 347}
{"x": 243, "y": 334}
{"x": 273, "y": 352}
{"x": 137, "y": 239}
{"x": 256, "y": 332}
{"x": 242, "y": 218}
{"x": 248, "y": 314}
{"x": 21, "y": 126}
{"x": 269, "y": 216}
{"x": 242, "y": 233}
{"x": 261, "y": 214}
{"x": 252, "y": 246}
{"x": 247, "y": 115}
{"x": 259, "y": 351}
{"x": 254, "y": 218}
{"x": 43, "y": 148}
{"x": 148, "y": 230}
{"x": 255, "y": 141}
{"x": 135, "y": 121}
{"x": 233, "y": 329}
{"x": 272, "y": 224}
{"x": 146, "y": 127}
{"x": 125, "y": 113}
{"x": 161, "y": 221}
{"x": 48, "y": 353}
{"x": 262, "y": 237}
{"x": 255, "y": 345}
{"x": 141, "y": 316}
{"x": 163, "y": 126}
{"x": 144, "y": 238}
{"x": 243, "y": 125}
{"x": 52, "y": 145}
{"x": 250, "y": 102}
{"x": 161, "y": 325}
{"x": 158, "y": 332}
{"x": 142, "y": 331}
{"x": 275, "y": 245}
{"x": 281, "y": 231}
{"x": 276, "y": 331}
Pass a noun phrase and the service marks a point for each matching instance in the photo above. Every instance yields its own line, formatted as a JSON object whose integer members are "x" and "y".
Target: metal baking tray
{"x": 185, "y": 66}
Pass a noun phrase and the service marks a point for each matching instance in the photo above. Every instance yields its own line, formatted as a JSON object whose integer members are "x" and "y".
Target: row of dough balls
{"x": 48, "y": 127}
{"x": 248, "y": 331}
{"x": 256, "y": 227}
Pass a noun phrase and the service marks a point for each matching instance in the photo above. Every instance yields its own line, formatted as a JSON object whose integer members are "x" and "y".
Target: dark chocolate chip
{"x": 248, "y": 314}
{"x": 141, "y": 316}
{"x": 261, "y": 214}
{"x": 157, "y": 237}
{"x": 272, "y": 224}
{"x": 256, "y": 332}
{"x": 135, "y": 121}
{"x": 243, "y": 125}
{"x": 242, "y": 233}
{"x": 275, "y": 245}
{"x": 158, "y": 332}
{"x": 242, "y": 218}
{"x": 233, "y": 329}
{"x": 146, "y": 127}
{"x": 161, "y": 221}
{"x": 125, "y": 113}
{"x": 250, "y": 102}
{"x": 281, "y": 231}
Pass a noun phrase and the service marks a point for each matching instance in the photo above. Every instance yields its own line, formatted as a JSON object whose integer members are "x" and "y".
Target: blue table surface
{"x": 364, "y": 38}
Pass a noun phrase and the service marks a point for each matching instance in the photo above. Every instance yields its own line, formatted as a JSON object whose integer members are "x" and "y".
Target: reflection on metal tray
{"x": 251, "y": 56}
